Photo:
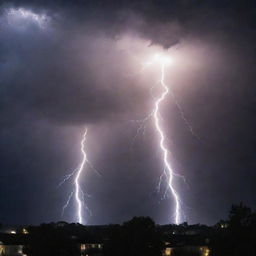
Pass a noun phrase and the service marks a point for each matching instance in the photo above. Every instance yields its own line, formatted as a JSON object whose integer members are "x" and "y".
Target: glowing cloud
{"x": 18, "y": 15}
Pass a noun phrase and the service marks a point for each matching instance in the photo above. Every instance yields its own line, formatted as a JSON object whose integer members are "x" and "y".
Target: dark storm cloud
{"x": 155, "y": 18}
{"x": 40, "y": 74}
{"x": 69, "y": 73}
{"x": 67, "y": 89}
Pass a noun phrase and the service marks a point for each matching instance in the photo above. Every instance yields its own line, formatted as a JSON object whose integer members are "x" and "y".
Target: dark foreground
{"x": 140, "y": 236}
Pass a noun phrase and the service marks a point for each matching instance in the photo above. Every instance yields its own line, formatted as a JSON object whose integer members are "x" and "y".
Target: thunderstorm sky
{"x": 66, "y": 65}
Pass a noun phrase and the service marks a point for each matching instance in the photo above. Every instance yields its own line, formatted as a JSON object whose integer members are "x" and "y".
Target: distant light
{"x": 24, "y": 231}
{"x": 224, "y": 225}
{"x": 13, "y": 232}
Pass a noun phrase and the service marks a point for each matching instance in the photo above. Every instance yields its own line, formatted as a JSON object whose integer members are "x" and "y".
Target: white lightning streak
{"x": 67, "y": 203}
{"x": 78, "y": 174}
{"x": 183, "y": 116}
{"x": 142, "y": 127}
{"x": 66, "y": 178}
{"x": 164, "y": 150}
{"x": 78, "y": 192}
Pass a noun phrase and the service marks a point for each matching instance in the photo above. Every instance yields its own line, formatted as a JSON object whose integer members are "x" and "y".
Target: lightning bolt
{"x": 168, "y": 167}
{"x": 77, "y": 177}
{"x": 66, "y": 178}
{"x": 78, "y": 192}
{"x": 168, "y": 172}
{"x": 67, "y": 203}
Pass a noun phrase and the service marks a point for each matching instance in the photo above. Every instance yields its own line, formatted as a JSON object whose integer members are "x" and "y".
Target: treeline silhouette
{"x": 235, "y": 236}
{"x": 138, "y": 236}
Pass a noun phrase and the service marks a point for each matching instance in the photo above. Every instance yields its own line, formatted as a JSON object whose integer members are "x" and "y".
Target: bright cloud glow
{"x": 163, "y": 59}
{"x": 18, "y": 16}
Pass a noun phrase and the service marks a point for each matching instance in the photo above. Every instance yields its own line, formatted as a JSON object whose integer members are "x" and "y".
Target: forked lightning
{"x": 78, "y": 192}
{"x": 163, "y": 61}
{"x": 156, "y": 114}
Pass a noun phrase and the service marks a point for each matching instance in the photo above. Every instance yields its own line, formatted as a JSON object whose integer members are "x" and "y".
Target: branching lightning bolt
{"x": 164, "y": 150}
{"x": 78, "y": 192}
{"x": 66, "y": 178}
{"x": 168, "y": 173}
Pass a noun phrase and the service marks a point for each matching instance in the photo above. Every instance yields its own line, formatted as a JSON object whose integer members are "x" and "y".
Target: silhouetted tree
{"x": 136, "y": 237}
{"x": 239, "y": 236}
{"x": 239, "y": 216}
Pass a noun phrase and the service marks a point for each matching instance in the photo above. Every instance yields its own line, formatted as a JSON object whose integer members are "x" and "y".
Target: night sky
{"x": 67, "y": 65}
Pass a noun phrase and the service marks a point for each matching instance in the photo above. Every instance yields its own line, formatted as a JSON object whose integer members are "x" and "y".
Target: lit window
{"x": 168, "y": 251}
